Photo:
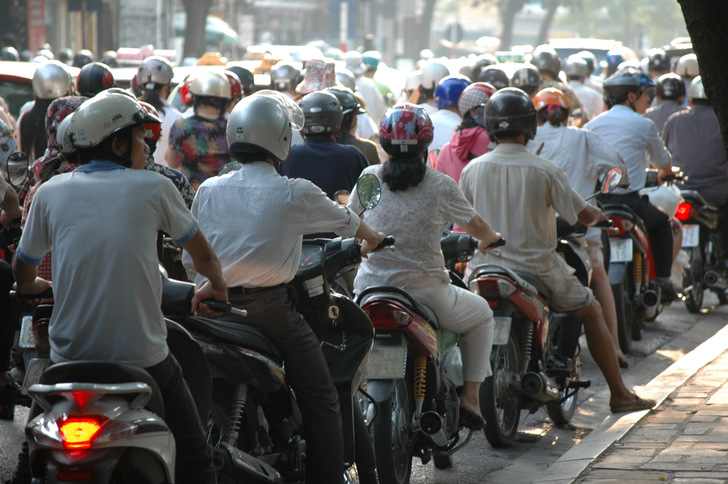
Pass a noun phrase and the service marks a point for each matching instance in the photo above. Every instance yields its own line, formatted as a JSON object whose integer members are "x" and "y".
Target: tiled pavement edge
{"x": 678, "y": 431}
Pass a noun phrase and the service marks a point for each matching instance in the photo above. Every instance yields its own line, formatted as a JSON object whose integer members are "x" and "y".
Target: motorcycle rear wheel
{"x": 561, "y": 413}
{"x": 625, "y": 317}
{"x": 693, "y": 278}
{"x": 500, "y": 394}
{"x": 393, "y": 438}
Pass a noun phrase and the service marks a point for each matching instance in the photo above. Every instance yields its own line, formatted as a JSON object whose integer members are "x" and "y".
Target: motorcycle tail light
{"x": 387, "y": 317}
{"x": 685, "y": 212}
{"x": 620, "y": 226}
{"x": 495, "y": 288}
{"x": 78, "y": 433}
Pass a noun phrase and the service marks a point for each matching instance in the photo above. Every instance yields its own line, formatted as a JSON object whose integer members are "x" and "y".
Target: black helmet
{"x": 347, "y": 99}
{"x": 510, "y": 112}
{"x": 527, "y": 78}
{"x": 246, "y": 78}
{"x": 82, "y": 58}
{"x": 9, "y": 53}
{"x": 109, "y": 58}
{"x": 322, "y": 111}
{"x": 94, "y": 78}
{"x": 481, "y": 62}
{"x": 670, "y": 86}
{"x": 546, "y": 59}
{"x": 284, "y": 76}
{"x": 494, "y": 75}
{"x": 658, "y": 61}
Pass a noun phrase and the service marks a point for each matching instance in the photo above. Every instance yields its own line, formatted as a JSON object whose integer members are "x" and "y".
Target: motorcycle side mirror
{"x": 611, "y": 180}
{"x": 18, "y": 169}
{"x": 369, "y": 191}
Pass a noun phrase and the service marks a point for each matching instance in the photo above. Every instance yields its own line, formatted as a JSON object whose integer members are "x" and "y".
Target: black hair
{"x": 219, "y": 103}
{"x": 248, "y": 153}
{"x": 427, "y": 93}
{"x": 33, "y": 137}
{"x": 346, "y": 122}
{"x": 105, "y": 151}
{"x": 403, "y": 172}
{"x": 467, "y": 122}
{"x": 555, "y": 117}
{"x": 153, "y": 97}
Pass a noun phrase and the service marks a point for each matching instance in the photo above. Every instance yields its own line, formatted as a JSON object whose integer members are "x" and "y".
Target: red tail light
{"x": 79, "y": 432}
{"x": 387, "y": 316}
{"x": 621, "y": 224}
{"x": 684, "y": 212}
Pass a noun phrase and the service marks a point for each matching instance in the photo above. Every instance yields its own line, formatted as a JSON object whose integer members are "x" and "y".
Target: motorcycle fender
{"x": 380, "y": 389}
{"x": 616, "y": 272}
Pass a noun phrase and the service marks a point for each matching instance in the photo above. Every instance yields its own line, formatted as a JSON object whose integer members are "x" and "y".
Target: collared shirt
{"x": 590, "y": 99}
{"x": 101, "y": 221}
{"x": 519, "y": 193}
{"x": 662, "y": 111}
{"x": 168, "y": 118}
{"x": 444, "y": 123}
{"x": 255, "y": 220}
{"x": 635, "y": 138}
{"x": 693, "y": 137}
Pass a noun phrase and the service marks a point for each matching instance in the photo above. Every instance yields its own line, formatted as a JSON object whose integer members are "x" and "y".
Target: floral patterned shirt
{"x": 201, "y": 147}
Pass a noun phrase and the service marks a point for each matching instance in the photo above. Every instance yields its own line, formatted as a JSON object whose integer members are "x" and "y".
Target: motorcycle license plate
{"x": 620, "y": 250}
{"x": 386, "y": 363}
{"x": 691, "y": 235}
{"x": 26, "y": 333}
{"x": 501, "y": 330}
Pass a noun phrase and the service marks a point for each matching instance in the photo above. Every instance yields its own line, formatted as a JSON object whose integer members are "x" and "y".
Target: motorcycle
{"x": 414, "y": 377}
{"x": 707, "y": 266}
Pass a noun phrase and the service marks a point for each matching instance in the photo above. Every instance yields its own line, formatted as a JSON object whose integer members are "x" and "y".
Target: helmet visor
{"x": 295, "y": 113}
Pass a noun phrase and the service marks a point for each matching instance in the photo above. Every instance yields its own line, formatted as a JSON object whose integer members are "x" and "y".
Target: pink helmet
{"x": 405, "y": 131}
{"x": 476, "y": 94}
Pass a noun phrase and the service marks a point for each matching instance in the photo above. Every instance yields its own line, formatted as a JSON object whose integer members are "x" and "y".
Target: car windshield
{"x": 16, "y": 94}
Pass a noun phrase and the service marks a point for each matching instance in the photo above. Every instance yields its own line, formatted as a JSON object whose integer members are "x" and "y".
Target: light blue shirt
{"x": 636, "y": 140}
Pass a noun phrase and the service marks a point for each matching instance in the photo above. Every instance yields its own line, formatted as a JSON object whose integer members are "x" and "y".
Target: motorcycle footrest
{"x": 579, "y": 383}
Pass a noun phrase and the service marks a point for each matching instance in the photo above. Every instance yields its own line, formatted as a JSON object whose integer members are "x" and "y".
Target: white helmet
{"x": 687, "y": 66}
{"x": 51, "y": 80}
{"x": 63, "y": 138}
{"x": 100, "y": 117}
{"x": 211, "y": 84}
{"x": 413, "y": 80}
{"x": 696, "y": 89}
{"x": 154, "y": 70}
{"x": 432, "y": 74}
{"x": 264, "y": 122}
{"x": 354, "y": 62}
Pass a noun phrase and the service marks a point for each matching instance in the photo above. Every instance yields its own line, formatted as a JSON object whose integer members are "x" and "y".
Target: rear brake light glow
{"x": 386, "y": 316}
{"x": 78, "y": 432}
{"x": 684, "y": 212}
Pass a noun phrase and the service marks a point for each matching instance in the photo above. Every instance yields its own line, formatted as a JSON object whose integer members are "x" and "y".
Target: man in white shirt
{"x": 256, "y": 220}
{"x": 577, "y": 70}
{"x": 637, "y": 141}
{"x": 446, "y": 120}
{"x": 520, "y": 193}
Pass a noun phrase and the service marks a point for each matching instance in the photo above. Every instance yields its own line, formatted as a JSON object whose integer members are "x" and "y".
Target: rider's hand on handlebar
{"x": 487, "y": 244}
{"x": 36, "y": 286}
{"x": 208, "y": 292}
{"x": 371, "y": 242}
{"x": 662, "y": 173}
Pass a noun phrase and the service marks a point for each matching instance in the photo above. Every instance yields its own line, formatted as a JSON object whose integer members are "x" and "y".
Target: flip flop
{"x": 471, "y": 421}
{"x": 623, "y": 364}
{"x": 638, "y": 404}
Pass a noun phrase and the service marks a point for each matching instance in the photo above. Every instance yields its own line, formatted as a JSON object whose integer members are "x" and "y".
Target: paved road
{"x": 675, "y": 333}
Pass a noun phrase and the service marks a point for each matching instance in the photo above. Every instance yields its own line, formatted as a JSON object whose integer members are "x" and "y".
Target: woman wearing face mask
{"x": 470, "y": 139}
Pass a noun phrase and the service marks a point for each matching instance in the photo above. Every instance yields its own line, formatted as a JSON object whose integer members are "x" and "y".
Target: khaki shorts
{"x": 568, "y": 295}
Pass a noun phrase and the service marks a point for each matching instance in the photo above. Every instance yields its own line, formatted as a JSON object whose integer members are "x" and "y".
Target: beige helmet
{"x": 100, "y": 117}
{"x": 687, "y": 66}
{"x": 51, "y": 80}
{"x": 432, "y": 73}
{"x": 696, "y": 89}
{"x": 210, "y": 84}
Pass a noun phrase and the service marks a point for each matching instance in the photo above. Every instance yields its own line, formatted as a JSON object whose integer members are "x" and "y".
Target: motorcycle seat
{"x": 535, "y": 282}
{"x": 234, "y": 333}
{"x": 695, "y": 196}
{"x": 104, "y": 372}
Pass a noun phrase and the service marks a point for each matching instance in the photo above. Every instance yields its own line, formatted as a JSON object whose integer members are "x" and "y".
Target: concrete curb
{"x": 570, "y": 465}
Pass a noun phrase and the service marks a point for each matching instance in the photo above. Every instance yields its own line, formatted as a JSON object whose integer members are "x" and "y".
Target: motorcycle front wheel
{"x": 693, "y": 281}
{"x": 500, "y": 394}
{"x": 393, "y": 435}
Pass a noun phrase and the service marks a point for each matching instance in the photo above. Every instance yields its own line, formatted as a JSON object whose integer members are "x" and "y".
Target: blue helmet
{"x": 623, "y": 82}
{"x": 449, "y": 89}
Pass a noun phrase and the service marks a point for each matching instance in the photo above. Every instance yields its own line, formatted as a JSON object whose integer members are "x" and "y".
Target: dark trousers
{"x": 274, "y": 314}
{"x": 8, "y": 315}
{"x": 657, "y": 223}
{"x": 193, "y": 462}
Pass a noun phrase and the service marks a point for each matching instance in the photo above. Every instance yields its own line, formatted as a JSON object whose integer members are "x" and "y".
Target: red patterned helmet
{"x": 151, "y": 130}
{"x": 475, "y": 95}
{"x": 236, "y": 87}
{"x": 405, "y": 131}
{"x": 185, "y": 94}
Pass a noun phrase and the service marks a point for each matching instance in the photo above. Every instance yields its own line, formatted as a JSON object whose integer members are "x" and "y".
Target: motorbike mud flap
{"x": 616, "y": 272}
{"x": 380, "y": 390}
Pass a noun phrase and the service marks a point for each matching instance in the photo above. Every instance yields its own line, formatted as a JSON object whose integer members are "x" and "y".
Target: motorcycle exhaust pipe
{"x": 649, "y": 299}
{"x": 713, "y": 280}
{"x": 539, "y": 387}
{"x": 433, "y": 425}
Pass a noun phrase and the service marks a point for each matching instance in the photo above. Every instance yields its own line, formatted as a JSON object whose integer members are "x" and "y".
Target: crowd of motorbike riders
{"x": 493, "y": 149}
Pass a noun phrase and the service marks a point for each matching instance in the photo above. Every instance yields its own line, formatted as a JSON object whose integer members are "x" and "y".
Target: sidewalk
{"x": 683, "y": 440}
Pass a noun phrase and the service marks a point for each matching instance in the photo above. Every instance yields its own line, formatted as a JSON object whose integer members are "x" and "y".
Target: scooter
{"x": 414, "y": 376}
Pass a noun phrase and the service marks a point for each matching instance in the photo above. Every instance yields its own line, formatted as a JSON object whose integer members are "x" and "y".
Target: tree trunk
{"x": 706, "y": 24}
{"x": 508, "y": 10}
{"x": 426, "y": 24}
{"x": 543, "y": 32}
{"x": 194, "y": 45}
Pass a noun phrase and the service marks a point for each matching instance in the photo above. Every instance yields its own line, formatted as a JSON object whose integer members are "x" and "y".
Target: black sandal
{"x": 470, "y": 421}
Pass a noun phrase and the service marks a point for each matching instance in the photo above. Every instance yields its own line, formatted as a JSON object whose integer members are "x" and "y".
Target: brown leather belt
{"x": 247, "y": 291}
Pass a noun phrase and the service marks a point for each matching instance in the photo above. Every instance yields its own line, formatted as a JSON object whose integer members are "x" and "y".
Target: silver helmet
{"x": 51, "y": 80}
{"x": 211, "y": 84}
{"x": 154, "y": 70}
{"x": 264, "y": 123}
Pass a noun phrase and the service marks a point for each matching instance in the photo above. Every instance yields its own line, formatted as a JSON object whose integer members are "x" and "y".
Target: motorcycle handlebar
{"x": 47, "y": 294}
{"x": 224, "y": 307}
{"x": 387, "y": 242}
